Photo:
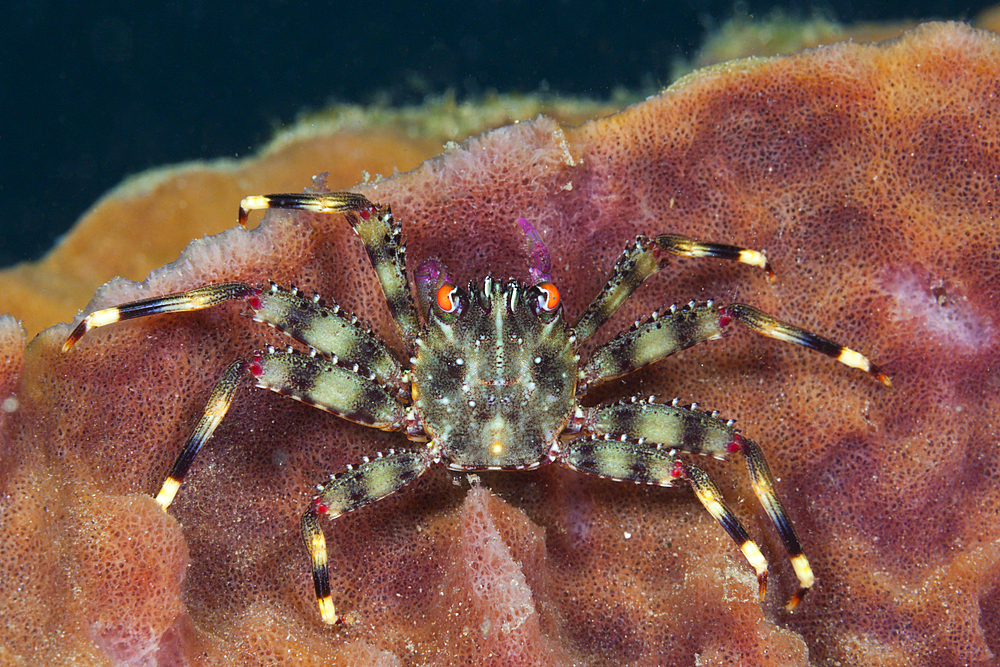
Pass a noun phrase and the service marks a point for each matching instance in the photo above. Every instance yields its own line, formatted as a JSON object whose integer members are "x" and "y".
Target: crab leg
{"x": 376, "y": 228}
{"x": 316, "y": 381}
{"x": 323, "y": 384}
{"x": 646, "y": 464}
{"x": 216, "y": 408}
{"x": 643, "y": 427}
{"x": 659, "y": 337}
{"x": 324, "y": 327}
{"x": 334, "y": 202}
{"x": 644, "y": 258}
{"x": 310, "y": 320}
{"x": 358, "y": 486}
{"x": 664, "y": 335}
{"x": 767, "y": 325}
{"x": 181, "y": 302}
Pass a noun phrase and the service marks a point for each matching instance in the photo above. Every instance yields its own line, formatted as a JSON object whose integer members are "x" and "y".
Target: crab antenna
{"x": 429, "y": 273}
{"x": 428, "y": 277}
{"x": 540, "y": 266}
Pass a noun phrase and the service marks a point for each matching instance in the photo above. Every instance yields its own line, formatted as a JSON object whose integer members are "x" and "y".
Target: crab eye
{"x": 548, "y": 297}
{"x": 447, "y": 299}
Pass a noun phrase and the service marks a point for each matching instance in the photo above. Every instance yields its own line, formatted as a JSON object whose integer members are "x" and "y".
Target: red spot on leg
{"x": 254, "y": 299}
{"x": 678, "y": 470}
{"x": 736, "y": 445}
{"x": 724, "y": 318}
{"x": 254, "y": 367}
{"x": 320, "y": 507}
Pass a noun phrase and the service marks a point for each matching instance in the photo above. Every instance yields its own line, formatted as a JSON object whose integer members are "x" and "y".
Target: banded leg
{"x": 377, "y": 229}
{"x": 661, "y": 336}
{"x": 323, "y": 384}
{"x": 316, "y": 381}
{"x": 181, "y": 302}
{"x": 310, "y": 320}
{"x": 216, "y": 408}
{"x": 323, "y": 326}
{"x": 644, "y": 258}
{"x": 768, "y": 325}
{"x": 334, "y": 202}
{"x": 358, "y": 486}
{"x": 658, "y": 427}
{"x": 647, "y": 464}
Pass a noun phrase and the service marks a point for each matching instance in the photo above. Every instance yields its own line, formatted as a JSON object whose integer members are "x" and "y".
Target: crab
{"x": 494, "y": 379}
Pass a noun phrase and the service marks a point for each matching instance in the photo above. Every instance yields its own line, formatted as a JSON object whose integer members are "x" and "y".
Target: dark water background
{"x": 92, "y": 92}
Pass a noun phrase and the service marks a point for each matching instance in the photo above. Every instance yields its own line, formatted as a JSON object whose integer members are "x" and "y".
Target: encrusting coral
{"x": 869, "y": 173}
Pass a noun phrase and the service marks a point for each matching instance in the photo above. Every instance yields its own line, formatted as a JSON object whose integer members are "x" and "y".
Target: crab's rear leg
{"x": 372, "y": 480}
{"x": 770, "y": 326}
{"x": 663, "y": 335}
{"x": 640, "y": 463}
{"x": 377, "y": 229}
{"x": 639, "y": 441}
{"x": 644, "y": 258}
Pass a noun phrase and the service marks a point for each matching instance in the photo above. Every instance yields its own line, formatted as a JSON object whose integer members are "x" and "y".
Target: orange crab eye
{"x": 446, "y": 298}
{"x": 548, "y": 297}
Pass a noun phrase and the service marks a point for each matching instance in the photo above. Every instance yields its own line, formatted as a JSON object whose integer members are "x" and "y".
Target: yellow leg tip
{"x": 99, "y": 318}
{"x": 854, "y": 359}
{"x": 754, "y": 557}
{"x": 803, "y": 571}
{"x": 317, "y": 551}
{"x": 254, "y": 202}
{"x": 758, "y": 259}
{"x": 326, "y": 610}
{"x": 806, "y": 580}
{"x": 167, "y": 492}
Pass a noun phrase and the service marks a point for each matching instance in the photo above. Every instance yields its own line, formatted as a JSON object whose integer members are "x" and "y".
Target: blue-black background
{"x": 91, "y": 92}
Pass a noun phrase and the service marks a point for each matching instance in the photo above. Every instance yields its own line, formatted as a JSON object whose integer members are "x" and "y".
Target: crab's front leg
{"x": 321, "y": 325}
{"x": 640, "y": 442}
{"x": 663, "y": 335}
{"x": 372, "y": 480}
{"x": 377, "y": 229}
{"x": 644, "y": 258}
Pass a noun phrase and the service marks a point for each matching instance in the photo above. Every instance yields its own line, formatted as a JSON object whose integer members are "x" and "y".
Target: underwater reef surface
{"x": 869, "y": 173}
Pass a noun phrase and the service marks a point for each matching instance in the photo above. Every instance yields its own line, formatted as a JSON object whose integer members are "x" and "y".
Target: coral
{"x": 870, "y": 175}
